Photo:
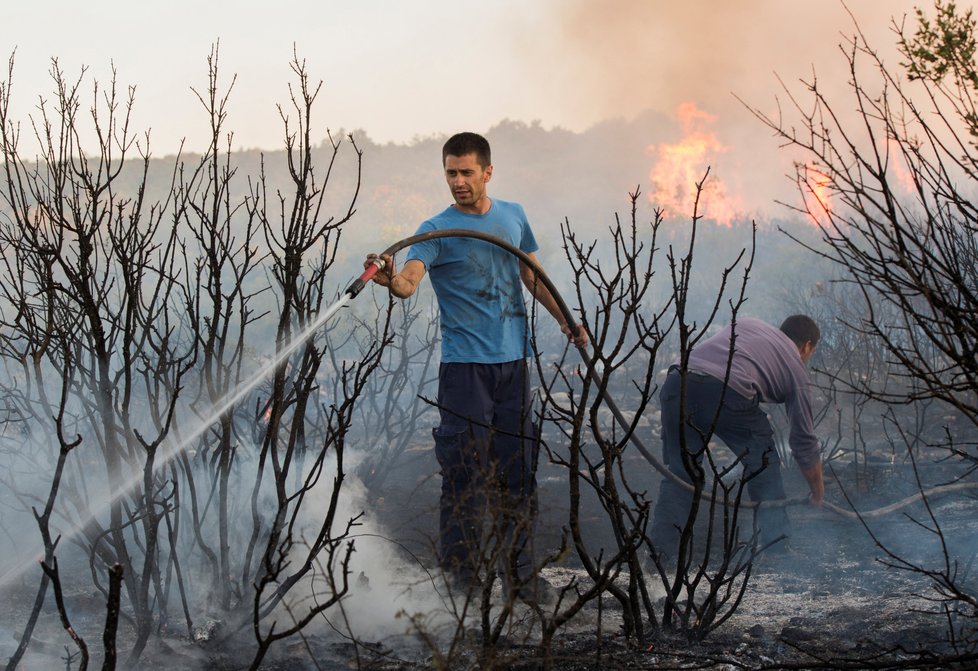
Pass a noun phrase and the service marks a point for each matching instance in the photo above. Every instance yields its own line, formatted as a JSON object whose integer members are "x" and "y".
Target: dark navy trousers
{"x": 487, "y": 446}
{"x": 743, "y": 427}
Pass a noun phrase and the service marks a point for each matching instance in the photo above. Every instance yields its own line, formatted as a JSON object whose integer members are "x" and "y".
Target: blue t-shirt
{"x": 480, "y": 294}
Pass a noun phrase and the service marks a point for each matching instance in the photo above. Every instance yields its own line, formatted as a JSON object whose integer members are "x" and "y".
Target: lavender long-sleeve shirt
{"x": 765, "y": 365}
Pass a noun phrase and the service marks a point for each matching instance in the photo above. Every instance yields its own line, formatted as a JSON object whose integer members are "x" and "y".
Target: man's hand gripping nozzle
{"x": 376, "y": 264}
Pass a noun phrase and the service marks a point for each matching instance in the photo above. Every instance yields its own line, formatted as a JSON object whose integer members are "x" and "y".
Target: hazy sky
{"x": 401, "y": 70}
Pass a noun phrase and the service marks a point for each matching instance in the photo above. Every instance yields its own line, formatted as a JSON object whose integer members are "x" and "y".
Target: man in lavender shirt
{"x": 767, "y": 365}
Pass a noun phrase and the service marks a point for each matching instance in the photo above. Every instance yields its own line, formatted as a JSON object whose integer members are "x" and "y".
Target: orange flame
{"x": 818, "y": 196}
{"x": 679, "y": 167}
{"x": 898, "y": 167}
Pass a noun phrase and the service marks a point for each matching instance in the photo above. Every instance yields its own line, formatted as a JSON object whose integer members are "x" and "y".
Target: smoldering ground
{"x": 396, "y": 612}
{"x": 831, "y": 596}
{"x": 390, "y": 592}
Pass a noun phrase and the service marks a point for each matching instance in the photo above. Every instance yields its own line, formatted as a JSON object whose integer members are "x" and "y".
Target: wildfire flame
{"x": 898, "y": 168}
{"x": 818, "y": 196}
{"x": 679, "y": 167}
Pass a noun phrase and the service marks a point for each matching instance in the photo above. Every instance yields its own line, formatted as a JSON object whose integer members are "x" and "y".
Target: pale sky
{"x": 401, "y": 70}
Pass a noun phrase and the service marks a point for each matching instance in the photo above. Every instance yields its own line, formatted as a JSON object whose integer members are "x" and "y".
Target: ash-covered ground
{"x": 836, "y": 598}
{"x": 832, "y": 601}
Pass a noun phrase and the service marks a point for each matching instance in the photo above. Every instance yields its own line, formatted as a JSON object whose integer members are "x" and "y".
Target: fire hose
{"x": 357, "y": 286}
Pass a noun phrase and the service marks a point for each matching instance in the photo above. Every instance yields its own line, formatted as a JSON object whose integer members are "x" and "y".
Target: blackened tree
{"x": 891, "y": 189}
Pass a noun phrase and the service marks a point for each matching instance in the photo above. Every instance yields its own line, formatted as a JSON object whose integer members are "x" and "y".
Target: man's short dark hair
{"x": 461, "y": 144}
{"x": 801, "y": 329}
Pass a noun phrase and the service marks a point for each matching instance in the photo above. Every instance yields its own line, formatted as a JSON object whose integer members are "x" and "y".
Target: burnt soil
{"x": 838, "y": 598}
{"x": 834, "y": 600}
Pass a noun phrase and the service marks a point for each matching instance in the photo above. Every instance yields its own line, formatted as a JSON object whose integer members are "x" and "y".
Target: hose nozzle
{"x": 376, "y": 264}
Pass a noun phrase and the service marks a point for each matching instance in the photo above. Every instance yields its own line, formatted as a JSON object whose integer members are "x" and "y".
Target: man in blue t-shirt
{"x": 486, "y": 442}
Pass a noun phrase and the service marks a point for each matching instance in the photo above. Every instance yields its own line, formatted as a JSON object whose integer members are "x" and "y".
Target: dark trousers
{"x": 742, "y": 426}
{"x": 487, "y": 447}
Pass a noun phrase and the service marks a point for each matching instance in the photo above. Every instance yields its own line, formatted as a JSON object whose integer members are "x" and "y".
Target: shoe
{"x": 778, "y": 557}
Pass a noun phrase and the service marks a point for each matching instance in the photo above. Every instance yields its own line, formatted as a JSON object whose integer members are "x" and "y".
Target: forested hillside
{"x": 581, "y": 180}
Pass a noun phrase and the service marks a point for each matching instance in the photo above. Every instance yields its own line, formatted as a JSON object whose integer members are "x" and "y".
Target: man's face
{"x": 806, "y": 351}
{"x": 467, "y": 180}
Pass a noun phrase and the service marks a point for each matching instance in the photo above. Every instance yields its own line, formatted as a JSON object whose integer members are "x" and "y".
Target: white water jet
{"x": 25, "y": 555}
